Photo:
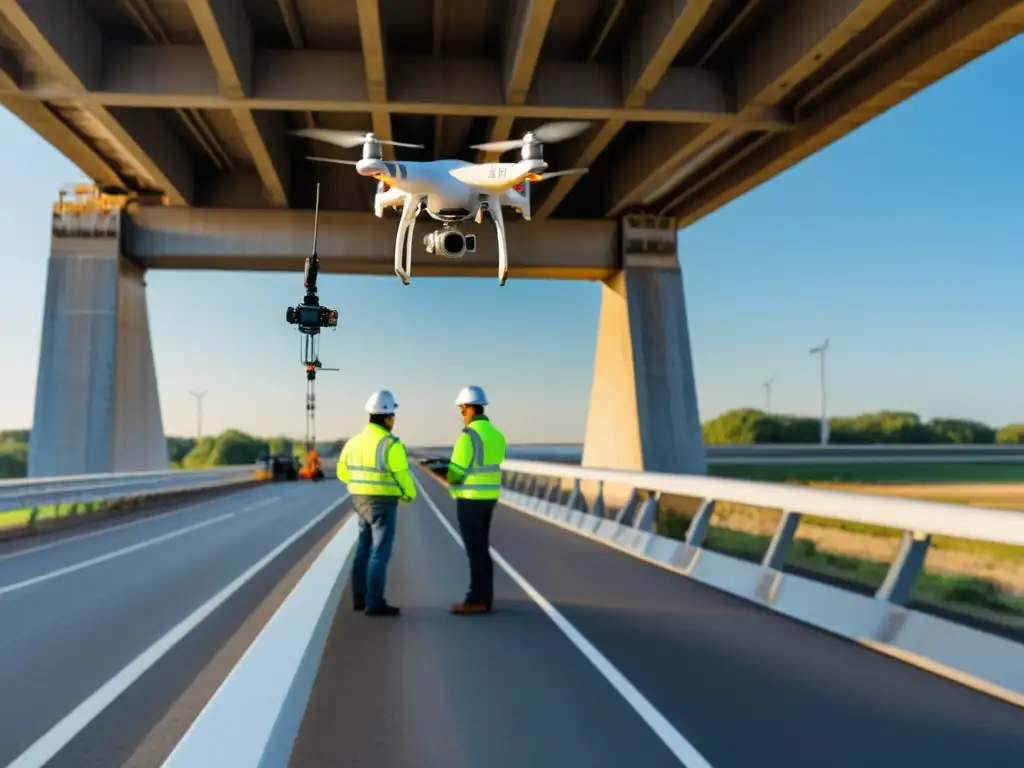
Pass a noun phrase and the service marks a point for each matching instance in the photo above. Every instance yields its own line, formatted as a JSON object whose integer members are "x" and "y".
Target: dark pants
{"x": 378, "y": 516}
{"x": 475, "y": 527}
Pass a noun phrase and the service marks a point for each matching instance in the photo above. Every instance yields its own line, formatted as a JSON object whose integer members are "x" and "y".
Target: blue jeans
{"x": 378, "y": 516}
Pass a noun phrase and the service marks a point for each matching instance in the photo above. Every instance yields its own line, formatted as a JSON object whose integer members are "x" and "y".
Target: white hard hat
{"x": 471, "y": 395}
{"x": 381, "y": 403}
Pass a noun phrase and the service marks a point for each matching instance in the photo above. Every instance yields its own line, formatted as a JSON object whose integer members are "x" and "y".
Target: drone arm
{"x": 494, "y": 208}
{"x": 409, "y": 211}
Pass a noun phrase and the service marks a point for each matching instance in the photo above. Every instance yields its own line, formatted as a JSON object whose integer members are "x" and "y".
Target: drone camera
{"x": 450, "y": 243}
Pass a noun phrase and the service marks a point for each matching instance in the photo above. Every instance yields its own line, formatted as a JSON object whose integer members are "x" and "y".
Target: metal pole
{"x": 824, "y": 413}
{"x": 824, "y": 409}
{"x": 199, "y": 412}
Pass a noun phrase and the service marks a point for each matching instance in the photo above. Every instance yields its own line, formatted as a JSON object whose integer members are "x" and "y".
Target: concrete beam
{"x": 69, "y": 46}
{"x": 228, "y": 37}
{"x": 524, "y": 35}
{"x": 359, "y": 243}
{"x": 371, "y": 40}
{"x": 979, "y": 26}
{"x": 49, "y": 126}
{"x": 787, "y": 48}
{"x": 176, "y": 76}
{"x": 647, "y": 60}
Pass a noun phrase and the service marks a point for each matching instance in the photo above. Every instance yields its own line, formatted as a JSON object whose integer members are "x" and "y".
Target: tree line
{"x": 747, "y": 426}
{"x": 230, "y": 447}
{"x": 738, "y": 427}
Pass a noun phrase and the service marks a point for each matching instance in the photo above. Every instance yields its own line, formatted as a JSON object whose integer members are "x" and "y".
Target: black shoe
{"x": 383, "y": 610}
{"x": 358, "y": 606}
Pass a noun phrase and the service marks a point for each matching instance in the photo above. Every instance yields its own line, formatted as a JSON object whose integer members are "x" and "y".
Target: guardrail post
{"x": 625, "y": 515}
{"x": 555, "y": 491}
{"x": 576, "y": 499}
{"x": 700, "y": 524}
{"x": 599, "y": 510}
{"x": 775, "y": 557}
{"x": 648, "y": 513}
{"x": 902, "y": 576}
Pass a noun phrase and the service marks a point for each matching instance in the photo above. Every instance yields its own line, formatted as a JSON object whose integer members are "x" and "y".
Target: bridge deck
{"x": 743, "y": 686}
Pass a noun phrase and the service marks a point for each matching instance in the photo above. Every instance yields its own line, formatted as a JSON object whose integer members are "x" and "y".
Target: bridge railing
{"x": 558, "y": 493}
{"x": 253, "y": 718}
{"x": 32, "y": 502}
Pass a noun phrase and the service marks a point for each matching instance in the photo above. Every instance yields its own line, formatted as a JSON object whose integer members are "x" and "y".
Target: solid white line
{"x": 134, "y": 547}
{"x": 46, "y": 747}
{"x": 110, "y": 529}
{"x": 115, "y": 554}
{"x": 684, "y": 751}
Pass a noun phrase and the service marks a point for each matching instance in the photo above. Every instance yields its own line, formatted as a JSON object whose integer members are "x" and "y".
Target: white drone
{"x": 451, "y": 190}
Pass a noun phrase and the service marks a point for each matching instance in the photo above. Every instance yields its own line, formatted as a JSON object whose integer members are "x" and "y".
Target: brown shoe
{"x": 465, "y": 609}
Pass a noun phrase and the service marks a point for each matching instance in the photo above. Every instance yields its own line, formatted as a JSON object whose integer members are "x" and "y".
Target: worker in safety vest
{"x": 474, "y": 475}
{"x": 375, "y": 467}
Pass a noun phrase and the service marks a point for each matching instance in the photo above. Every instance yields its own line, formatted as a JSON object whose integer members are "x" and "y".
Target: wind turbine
{"x": 768, "y": 393}
{"x": 821, "y": 350}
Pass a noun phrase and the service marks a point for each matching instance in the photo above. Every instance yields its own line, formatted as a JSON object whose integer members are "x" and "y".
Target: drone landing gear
{"x": 494, "y": 208}
{"x": 403, "y": 239}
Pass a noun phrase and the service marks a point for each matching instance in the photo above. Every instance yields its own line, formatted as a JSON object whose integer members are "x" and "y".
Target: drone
{"x": 451, "y": 191}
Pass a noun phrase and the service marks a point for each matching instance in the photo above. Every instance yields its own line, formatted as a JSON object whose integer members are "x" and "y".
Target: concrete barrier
{"x": 254, "y": 717}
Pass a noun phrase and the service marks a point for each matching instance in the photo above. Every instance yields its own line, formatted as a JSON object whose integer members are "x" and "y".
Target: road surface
{"x": 706, "y": 679}
{"x": 76, "y": 609}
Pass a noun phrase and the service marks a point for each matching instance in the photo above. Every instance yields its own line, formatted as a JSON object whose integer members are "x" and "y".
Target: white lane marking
{"x": 46, "y": 747}
{"x": 684, "y": 751}
{"x": 133, "y": 547}
{"x": 111, "y": 529}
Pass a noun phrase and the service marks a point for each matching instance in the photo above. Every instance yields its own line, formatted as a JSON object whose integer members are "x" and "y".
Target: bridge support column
{"x": 643, "y": 400}
{"x": 97, "y": 407}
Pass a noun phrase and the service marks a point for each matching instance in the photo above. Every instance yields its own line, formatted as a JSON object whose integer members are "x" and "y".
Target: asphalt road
{"x": 732, "y": 682}
{"x": 75, "y": 610}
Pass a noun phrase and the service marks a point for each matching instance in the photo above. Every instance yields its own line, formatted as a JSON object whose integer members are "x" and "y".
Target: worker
{"x": 375, "y": 467}
{"x": 474, "y": 477}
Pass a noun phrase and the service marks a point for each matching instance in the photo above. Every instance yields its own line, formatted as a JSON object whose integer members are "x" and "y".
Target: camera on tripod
{"x": 312, "y": 317}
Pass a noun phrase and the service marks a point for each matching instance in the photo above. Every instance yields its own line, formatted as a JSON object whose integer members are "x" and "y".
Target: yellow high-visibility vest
{"x": 374, "y": 463}
{"x": 474, "y": 471}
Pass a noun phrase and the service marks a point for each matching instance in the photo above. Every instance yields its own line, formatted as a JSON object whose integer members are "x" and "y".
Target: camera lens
{"x": 454, "y": 243}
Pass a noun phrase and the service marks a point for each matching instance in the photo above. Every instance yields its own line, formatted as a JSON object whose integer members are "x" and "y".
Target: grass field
{"x": 983, "y": 579}
{"x": 921, "y": 472}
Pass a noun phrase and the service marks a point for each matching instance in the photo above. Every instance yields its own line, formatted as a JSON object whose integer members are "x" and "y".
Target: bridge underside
{"x": 189, "y": 105}
{"x": 693, "y": 101}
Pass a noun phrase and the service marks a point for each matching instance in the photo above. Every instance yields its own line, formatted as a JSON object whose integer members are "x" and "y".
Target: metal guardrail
{"x": 783, "y": 453}
{"x": 982, "y": 660}
{"x": 919, "y": 520}
{"x": 57, "y": 491}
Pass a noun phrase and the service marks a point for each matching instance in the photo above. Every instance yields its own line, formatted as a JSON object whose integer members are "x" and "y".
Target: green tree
{"x": 962, "y": 431}
{"x": 179, "y": 447}
{"x": 1011, "y": 433}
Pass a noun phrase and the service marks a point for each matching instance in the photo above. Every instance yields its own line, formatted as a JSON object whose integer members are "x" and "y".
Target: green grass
{"x": 924, "y": 472}
{"x": 967, "y": 594}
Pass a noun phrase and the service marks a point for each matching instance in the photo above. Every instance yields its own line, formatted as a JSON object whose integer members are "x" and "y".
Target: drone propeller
{"x": 552, "y": 174}
{"x": 348, "y": 139}
{"x": 549, "y": 133}
{"x": 332, "y": 160}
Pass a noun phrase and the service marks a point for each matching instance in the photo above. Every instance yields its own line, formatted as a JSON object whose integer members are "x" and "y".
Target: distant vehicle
{"x": 276, "y": 468}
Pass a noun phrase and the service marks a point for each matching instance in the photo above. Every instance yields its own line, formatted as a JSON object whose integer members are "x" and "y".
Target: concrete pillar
{"x": 643, "y": 400}
{"x": 97, "y": 408}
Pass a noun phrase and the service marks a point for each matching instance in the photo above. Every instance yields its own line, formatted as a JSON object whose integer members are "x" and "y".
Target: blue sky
{"x": 904, "y": 243}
